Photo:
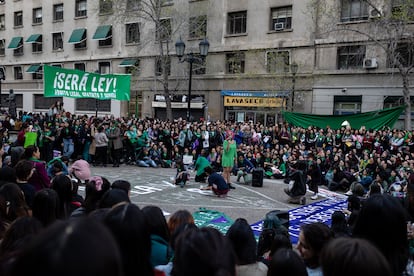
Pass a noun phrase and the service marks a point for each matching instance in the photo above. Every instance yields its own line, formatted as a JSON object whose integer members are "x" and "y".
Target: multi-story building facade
{"x": 247, "y": 74}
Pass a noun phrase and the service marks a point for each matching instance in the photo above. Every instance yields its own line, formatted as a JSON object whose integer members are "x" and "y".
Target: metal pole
{"x": 1, "y": 107}
{"x": 96, "y": 100}
{"x": 136, "y": 105}
{"x": 293, "y": 91}
{"x": 190, "y": 60}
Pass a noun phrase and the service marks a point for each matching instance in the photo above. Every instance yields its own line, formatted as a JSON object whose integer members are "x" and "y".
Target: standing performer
{"x": 229, "y": 156}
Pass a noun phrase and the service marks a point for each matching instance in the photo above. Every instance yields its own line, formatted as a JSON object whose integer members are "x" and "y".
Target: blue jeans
{"x": 68, "y": 147}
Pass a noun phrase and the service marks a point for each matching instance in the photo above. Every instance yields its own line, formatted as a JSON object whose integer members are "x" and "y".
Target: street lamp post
{"x": 96, "y": 99}
{"x": 293, "y": 69}
{"x": 191, "y": 58}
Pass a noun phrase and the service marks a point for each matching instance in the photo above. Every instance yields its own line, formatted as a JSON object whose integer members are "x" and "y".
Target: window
{"x": 80, "y": 66}
{"x": 82, "y": 43}
{"x": 350, "y": 57}
{"x": 36, "y": 75}
{"x": 81, "y": 8}
{"x": 160, "y": 62}
{"x": 344, "y": 105}
{"x": 198, "y": 27}
{"x": 104, "y": 35}
{"x": 354, "y": 10}
{"x": 164, "y": 31}
{"x": 236, "y": 22}
{"x": 277, "y": 61}
{"x": 133, "y": 69}
{"x": 58, "y": 12}
{"x": 199, "y": 68}
{"x": 18, "y": 75}
{"x": 2, "y": 47}
{"x": 57, "y": 41}
{"x": 41, "y": 102}
{"x": 105, "y": 6}
{"x": 404, "y": 54}
{"x": 18, "y": 19}
{"x": 235, "y": 63}
{"x": 104, "y": 67}
{"x": 133, "y": 5}
{"x": 37, "y": 15}
{"x": 89, "y": 105}
{"x": 2, "y": 22}
{"x": 132, "y": 33}
{"x": 281, "y": 18}
{"x": 18, "y": 51}
{"x": 37, "y": 46}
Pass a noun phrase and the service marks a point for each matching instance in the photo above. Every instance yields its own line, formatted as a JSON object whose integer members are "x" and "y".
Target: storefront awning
{"x": 264, "y": 94}
{"x": 34, "y": 68}
{"x": 128, "y": 62}
{"x": 102, "y": 32}
{"x": 33, "y": 38}
{"x": 16, "y": 42}
{"x": 77, "y": 36}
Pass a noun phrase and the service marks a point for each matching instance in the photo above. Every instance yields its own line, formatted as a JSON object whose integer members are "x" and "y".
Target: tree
{"x": 387, "y": 26}
{"x": 160, "y": 21}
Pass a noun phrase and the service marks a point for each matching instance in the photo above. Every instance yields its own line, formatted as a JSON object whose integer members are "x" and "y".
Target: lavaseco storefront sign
{"x": 253, "y": 101}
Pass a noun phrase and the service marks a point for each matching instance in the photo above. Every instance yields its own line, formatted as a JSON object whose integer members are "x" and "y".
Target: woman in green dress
{"x": 229, "y": 156}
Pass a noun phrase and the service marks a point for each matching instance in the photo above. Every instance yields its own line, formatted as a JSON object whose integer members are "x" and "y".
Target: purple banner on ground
{"x": 316, "y": 212}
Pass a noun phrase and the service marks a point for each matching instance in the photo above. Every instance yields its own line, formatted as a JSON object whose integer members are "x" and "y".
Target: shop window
{"x": 41, "y": 102}
{"x": 90, "y": 105}
{"x": 344, "y": 105}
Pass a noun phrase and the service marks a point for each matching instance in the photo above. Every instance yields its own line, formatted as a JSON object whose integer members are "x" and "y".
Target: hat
{"x": 80, "y": 169}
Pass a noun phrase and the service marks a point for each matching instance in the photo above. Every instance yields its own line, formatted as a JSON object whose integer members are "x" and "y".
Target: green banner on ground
{"x": 60, "y": 82}
{"x": 371, "y": 120}
{"x": 211, "y": 218}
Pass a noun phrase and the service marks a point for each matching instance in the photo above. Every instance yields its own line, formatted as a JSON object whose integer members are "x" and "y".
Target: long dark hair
{"x": 129, "y": 227}
{"x": 383, "y": 221}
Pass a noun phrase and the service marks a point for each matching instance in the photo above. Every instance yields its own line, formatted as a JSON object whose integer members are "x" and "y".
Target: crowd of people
{"x": 47, "y": 227}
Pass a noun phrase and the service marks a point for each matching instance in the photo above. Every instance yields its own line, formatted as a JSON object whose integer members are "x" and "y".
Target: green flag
{"x": 60, "y": 82}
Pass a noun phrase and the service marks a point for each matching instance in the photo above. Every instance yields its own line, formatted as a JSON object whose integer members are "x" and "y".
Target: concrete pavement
{"x": 153, "y": 186}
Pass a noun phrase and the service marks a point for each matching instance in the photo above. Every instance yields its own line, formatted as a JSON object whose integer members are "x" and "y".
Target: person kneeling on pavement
{"x": 216, "y": 183}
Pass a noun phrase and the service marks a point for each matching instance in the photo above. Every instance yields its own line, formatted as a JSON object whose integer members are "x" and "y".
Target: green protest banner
{"x": 60, "y": 82}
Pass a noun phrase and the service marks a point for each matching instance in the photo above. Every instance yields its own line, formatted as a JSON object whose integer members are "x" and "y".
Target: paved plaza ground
{"x": 153, "y": 186}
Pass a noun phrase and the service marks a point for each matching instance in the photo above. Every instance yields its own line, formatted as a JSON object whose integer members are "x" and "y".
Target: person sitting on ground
{"x": 182, "y": 175}
{"x": 216, "y": 183}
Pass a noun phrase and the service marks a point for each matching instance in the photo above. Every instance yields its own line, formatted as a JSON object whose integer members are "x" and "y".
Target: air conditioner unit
{"x": 279, "y": 26}
{"x": 370, "y": 63}
{"x": 375, "y": 12}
